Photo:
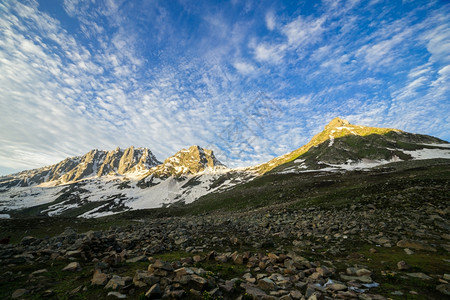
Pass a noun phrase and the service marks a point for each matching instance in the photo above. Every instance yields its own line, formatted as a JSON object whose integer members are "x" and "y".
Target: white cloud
{"x": 270, "y": 20}
{"x": 438, "y": 42}
{"x": 63, "y": 92}
{"x": 244, "y": 68}
{"x": 304, "y": 31}
{"x": 270, "y": 53}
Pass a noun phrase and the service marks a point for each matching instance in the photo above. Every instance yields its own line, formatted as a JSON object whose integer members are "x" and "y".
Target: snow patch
{"x": 429, "y": 153}
{"x": 331, "y": 141}
{"x": 5, "y": 216}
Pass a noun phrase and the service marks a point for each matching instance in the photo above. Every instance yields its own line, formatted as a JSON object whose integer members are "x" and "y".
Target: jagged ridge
{"x": 94, "y": 163}
{"x": 193, "y": 160}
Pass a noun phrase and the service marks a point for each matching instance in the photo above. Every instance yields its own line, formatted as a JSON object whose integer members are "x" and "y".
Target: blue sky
{"x": 249, "y": 79}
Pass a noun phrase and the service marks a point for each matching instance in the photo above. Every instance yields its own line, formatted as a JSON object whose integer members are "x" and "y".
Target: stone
{"x": 422, "y": 276}
{"x": 402, "y": 265}
{"x": 221, "y": 258}
{"x": 364, "y": 279}
{"x": 397, "y": 293}
{"x": 408, "y": 251}
{"x": 296, "y": 295}
{"x": 144, "y": 278}
{"x": 73, "y": 267}
{"x": 117, "y": 282}
{"x": 337, "y": 287}
{"x": 183, "y": 271}
{"x": 117, "y": 295}
{"x": 38, "y": 272}
{"x": 197, "y": 283}
{"x": 324, "y": 271}
{"x": 228, "y": 287}
{"x": 141, "y": 258}
{"x": 315, "y": 276}
{"x": 68, "y": 232}
{"x": 253, "y": 291}
{"x": 159, "y": 264}
{"x": 154, "y": 291}
{"x": 19, "y": 293}
{"x": 99, "y": 278}
{"x": 237, "y": 258}
{"x": 351, "y": 271}
{"x": 316, "y": 296}
{"x": 73, "y": 253}
{"x": 363, "y": 272}
{"x": 76, "y": 290}
{"x": 177, "y": 294}
{"x": 447, "y": 276}
{"x": 415, "y": 245}
{"x": 267, "y": 284}
{"x": 48, "y": 293}
{"x": 444, "y": 289}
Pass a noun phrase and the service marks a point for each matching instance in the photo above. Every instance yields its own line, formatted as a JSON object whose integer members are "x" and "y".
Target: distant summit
{"x": 95, "y": 163}
{"x": 193, "y": 160}
{"x": 343, "y": 143}
{"x": 337, "y": 122}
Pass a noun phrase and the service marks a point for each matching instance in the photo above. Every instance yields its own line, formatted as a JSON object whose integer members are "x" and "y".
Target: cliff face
{"x": 94, "y": 163}
{"x": 188, "y": 161}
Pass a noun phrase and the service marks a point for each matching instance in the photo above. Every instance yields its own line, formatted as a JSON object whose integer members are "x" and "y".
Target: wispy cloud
{"x": 101, "y": 74}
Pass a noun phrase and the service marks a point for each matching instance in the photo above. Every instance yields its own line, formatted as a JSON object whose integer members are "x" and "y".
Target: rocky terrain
{"x": 392, "y": 243}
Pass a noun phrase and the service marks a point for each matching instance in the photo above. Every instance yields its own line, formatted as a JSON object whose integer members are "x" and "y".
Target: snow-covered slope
{"x": 103, "y": 183}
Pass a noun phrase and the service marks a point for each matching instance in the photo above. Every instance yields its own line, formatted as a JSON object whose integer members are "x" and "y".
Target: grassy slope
{"x": 335, "y": 189}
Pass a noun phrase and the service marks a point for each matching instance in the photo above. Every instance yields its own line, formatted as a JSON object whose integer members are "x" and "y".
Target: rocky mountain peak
{"x": 95, "y": 163}
{"x": 337, "y": 122}
{"x": 193, "y": 160}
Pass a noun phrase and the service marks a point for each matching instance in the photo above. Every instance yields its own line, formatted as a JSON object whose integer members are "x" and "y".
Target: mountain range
{"x": 107, "y": 182}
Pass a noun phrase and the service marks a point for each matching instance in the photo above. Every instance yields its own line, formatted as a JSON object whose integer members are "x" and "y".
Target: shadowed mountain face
{"x": 92, "y": 164}
{"x": 343, "y": 143}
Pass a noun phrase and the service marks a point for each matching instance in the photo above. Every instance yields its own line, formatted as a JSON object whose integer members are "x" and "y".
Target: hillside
{"x": 341, "y": 143}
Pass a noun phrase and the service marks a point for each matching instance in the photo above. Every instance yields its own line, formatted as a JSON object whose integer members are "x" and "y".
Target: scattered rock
{"x": 73, "y": 267}
{"x": 364, "y": 279}
{"x": 422, "y": 276}
{"x": 141, "y": 258}
{"x": 408, "y": 251}
{"x": 197, "y": 283}
{"x": 117, "y": 295}
{"x": 19, "y": 293}
{"x": 154, "y": 291}
{"x": 99, "y": 278}
{"x": 267, "y": 284}
{"x": 117, "y": 282}
{"x": 444, "y": 289}
{"x": 415, "y": 245}
{"x": 402, "y": 265}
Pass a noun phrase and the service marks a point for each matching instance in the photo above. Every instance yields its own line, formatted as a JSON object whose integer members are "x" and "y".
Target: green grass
{"x": 386, "y": 259}
{"x": 333, "y": 189}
